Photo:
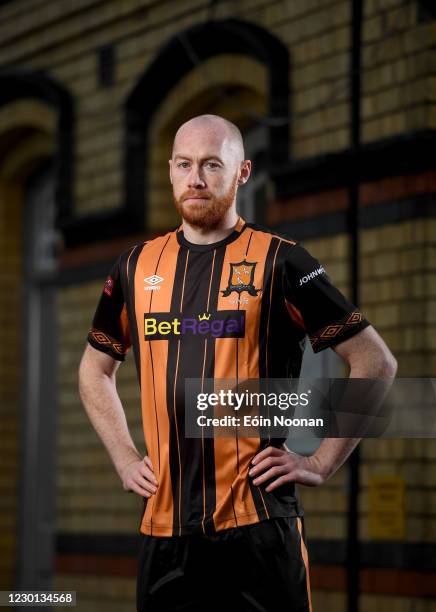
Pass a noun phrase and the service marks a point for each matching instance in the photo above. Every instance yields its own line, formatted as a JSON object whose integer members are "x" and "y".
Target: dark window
{"x": 426, "y": 11}
{"x": 106, "y": 65}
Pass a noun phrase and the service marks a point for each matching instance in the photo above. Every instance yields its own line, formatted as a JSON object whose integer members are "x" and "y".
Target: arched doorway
{"x": 33, "y": 174}
{"x": 186, "y": 54}
{"x": 209, "y": 88}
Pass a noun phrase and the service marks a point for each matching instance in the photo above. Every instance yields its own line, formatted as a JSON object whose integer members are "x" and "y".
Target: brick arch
{"x": 27, "y": 138}
{"x": 177, "y": 58}
{"x": 21, "y": 89}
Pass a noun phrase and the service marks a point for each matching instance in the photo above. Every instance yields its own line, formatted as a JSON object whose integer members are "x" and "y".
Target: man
{"x": 222, "y": 524}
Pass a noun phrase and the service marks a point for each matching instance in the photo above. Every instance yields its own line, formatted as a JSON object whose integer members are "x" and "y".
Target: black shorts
{"x": 255, "y": 568}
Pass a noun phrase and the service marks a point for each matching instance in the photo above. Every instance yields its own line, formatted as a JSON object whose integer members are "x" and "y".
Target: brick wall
{"x": 61, "y": 38}
{"x": 398, "y": 297}
{"x": 90, "y": 496}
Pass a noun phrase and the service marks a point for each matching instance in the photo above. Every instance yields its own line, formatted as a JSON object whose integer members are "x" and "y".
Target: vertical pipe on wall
{"x": 352, "y": 546}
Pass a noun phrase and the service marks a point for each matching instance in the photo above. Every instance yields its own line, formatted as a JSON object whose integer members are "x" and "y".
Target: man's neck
{"x": 209, "y": 236}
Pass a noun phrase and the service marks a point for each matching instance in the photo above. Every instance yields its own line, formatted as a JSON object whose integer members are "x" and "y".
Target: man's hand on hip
{"x": 138, "y": 476}
{"x": 280, "y": 466}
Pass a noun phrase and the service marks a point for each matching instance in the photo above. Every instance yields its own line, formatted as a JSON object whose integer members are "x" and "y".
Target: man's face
{"x": 205, "y": 172}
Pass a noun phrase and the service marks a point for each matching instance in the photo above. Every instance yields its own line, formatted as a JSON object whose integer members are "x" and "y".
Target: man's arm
{"x": 97, "y": 387}
{"x": 368, "y": 357}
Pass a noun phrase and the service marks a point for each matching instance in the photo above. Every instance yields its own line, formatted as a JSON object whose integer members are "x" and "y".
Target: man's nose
{"x": 195, "y": 180}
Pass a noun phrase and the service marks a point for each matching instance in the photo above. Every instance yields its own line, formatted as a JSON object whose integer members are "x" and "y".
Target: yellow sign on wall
{"x": 386, "y": 510}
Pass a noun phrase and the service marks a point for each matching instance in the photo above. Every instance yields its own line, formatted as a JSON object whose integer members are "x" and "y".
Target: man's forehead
{"x": 201, "y": 143}
{"x": 201, "y": 133}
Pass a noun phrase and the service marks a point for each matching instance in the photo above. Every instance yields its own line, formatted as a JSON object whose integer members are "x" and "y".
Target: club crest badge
{"x": 108, "y": 286}
{"x": 241, "y": 278}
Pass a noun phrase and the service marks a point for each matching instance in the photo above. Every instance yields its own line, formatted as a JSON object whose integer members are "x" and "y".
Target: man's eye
{"x": 212, "y": 164}
{"x": 184, "y": 164}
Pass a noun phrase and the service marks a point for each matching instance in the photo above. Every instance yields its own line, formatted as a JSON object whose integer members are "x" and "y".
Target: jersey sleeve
{"x": 110, "y": 331}
{"x": 314, "y": 304}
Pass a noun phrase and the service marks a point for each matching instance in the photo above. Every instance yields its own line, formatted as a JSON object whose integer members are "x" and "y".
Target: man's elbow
{"x": 381, "y": 361}
{"x": 388, "y": 366}
{"x": 375, "y": 363}
{"x": 367, "y": 355}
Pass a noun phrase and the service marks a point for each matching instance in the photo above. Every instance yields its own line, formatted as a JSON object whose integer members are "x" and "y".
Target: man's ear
{"x": 245, "y": 172}
{"x": 170, "y": 162}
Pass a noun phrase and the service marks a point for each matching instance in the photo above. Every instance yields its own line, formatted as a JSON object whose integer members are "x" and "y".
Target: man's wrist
{"x": 319, "y": 467}
{"x": 125, "y": 462}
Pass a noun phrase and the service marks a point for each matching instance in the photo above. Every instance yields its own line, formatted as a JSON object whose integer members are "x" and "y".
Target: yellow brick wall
{"x": 383, "y": 603}
{"x": 398, "y": 295}
{"x": 396, "y": 262}
{"x": 328, "y": 601}
{"x": 398, "y": 291}
{"x": 90, "y": 497}
{"x": 398, "y": 286}
{"x": 397, "y": 66}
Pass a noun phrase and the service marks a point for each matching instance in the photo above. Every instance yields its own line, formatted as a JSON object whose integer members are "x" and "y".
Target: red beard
{"x": 207, "y": 214}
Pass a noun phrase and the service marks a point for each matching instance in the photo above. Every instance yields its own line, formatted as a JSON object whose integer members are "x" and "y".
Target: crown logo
{"x": 204, "y": 317}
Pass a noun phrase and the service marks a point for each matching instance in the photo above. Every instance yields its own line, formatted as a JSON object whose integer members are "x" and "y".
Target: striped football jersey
{"x": 240, "y": 308}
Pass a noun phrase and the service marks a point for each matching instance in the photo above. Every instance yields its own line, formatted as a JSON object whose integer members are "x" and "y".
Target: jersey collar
{"x": 237, "y": 231}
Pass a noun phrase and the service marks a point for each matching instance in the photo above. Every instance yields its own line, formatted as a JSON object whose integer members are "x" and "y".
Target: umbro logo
{"x": 152, "y": 282}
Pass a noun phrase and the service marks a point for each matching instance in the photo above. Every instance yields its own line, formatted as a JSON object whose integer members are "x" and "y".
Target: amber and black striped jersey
{"x": 240, "y": 308}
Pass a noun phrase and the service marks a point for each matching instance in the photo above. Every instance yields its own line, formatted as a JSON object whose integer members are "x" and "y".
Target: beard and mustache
{"x": 206, "y": 215}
